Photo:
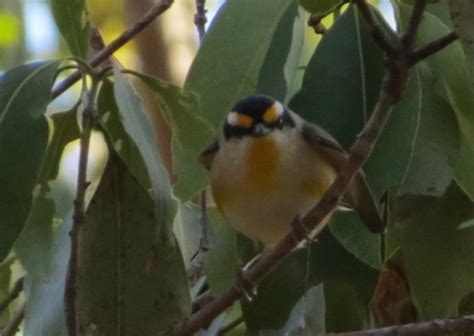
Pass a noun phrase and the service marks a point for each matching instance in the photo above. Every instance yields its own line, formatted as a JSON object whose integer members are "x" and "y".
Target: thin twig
{"x": 70, "y": 294}
{"x": 414, "y": 23}
{"x": 12, "y": 327}
{"x": 156, "y": 10}
{"x": 12, "y": 295}
{"x": 394, "y": 82}
{"x": 196, "y": 265}
{"x": 464, "y": 324}
{"x": 235, "y": 323}
{"x": 378, "y": 33}
{"x": 204, "y": 242}
{"x": 431, "y": 48}
{"x": 200, "y": 18}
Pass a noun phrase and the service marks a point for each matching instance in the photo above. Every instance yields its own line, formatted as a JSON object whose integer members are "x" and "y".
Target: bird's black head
{"x": 257, "y": 116}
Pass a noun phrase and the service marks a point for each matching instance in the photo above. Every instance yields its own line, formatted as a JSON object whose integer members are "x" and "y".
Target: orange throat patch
{"x": 262, "y": 161}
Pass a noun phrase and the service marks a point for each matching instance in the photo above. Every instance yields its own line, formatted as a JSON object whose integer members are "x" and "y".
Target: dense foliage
{"x": 141, "y": 231}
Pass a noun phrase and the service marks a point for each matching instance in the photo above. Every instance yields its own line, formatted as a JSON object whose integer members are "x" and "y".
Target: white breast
{"x": 265, "y": 214}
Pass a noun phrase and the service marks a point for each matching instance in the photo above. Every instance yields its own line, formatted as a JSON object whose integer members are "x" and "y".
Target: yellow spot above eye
{"x": 272, "y": 113}
{"x": 244, "y": 120}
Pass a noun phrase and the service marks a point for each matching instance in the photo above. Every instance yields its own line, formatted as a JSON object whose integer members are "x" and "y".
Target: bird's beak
{"x": 260, "y": 130}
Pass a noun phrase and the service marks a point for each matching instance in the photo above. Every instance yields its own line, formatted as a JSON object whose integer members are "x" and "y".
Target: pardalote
{"x": 269, "y": 166}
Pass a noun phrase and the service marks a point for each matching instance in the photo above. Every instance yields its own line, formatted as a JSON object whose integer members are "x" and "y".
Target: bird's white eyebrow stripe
{"x": 232, "y": 118}
{"x": 279, "y": 108}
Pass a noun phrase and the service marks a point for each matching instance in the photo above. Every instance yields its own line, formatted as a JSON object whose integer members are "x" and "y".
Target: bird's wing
{"x": 358, "y": 194}
{"x": 207, "y": 155}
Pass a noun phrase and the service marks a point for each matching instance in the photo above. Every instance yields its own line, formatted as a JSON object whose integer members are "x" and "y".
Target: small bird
{"x": 269, "y": 166}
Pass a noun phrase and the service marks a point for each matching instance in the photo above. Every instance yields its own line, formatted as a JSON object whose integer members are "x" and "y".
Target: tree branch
{"x": 12, "y": 295}
{"x": 70, "y": 293}
{"x": 394, "y": 82}
{"x": 464, "y": 324}
{"x": 12, "y": 327}
{"x": 156, "y": 10}
{"x": 200, "y": 18}
{"x": 414, "y": 23}
{"x": 431, "y": 48}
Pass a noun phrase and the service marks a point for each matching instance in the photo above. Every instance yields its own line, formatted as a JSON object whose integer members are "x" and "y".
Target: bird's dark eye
{"x": 280, "y": 123}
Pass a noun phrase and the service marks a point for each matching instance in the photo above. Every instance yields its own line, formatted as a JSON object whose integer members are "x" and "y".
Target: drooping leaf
{"x": 437, "y": 142}
{"x": 121, "y": 140}
{"x": 138, "y": 125}
{"x": 191, "y": 134}
{"x": 187, "y": 229}
{"x": 228, "y": 63}
{"x": 342, "y": 79}
{"x": 457, "y": 88}
{"x": 354, "y": 236}
{"x": 73, "y": 22}
{"x": 43, "y": 250}
{"x": 130, "y": 283}
{"x": 328, "y": 262}
{"x": 65, "y": 129}
{"x": 24, "y": 95}
{"x": 437, "y": 255}
{"x": 388, "y": 164}
{"x": 222, "y": 261}
{"x": 282, "y": 60}
{"x": 340, "y": 88}
{"x": 43, "y": 246}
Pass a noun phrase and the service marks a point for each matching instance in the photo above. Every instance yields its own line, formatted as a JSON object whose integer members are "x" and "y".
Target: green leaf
{"x": 136, "y": 286}
{"x": 437, "y": 255}
{"x": 325, "y": 261}
{"x": 340, "y": 88}
{"x": 43, "y": 246}
{"x": 222, "y": 261}
{"x": 462, "y": 12}
{"x": 65, "y": 129}
{"x": 117, "y": 135}
{"x": 342, "y": 80}
{"x": 138, "y": 125}
{"x": 354, "y": 236}
{"x": 457, "y": 87}
{"x": 307, "y": 317}
{"x": 389, "y": 162}
{"x": 228, "y": 63}
{"x": 436, "y": 145}
{"x": 24, "y": 96}
{"x": 281, "y": 63}
{"x": 187, "y": 229}
{"x": 43, "y": 250}
{"x": 191, "y": 134}
{"x": 73, "y": 22}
